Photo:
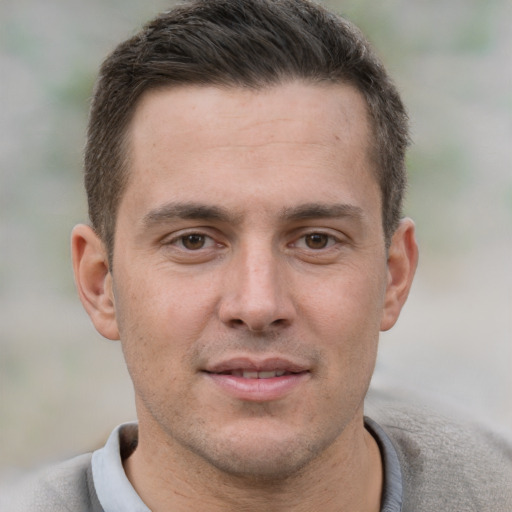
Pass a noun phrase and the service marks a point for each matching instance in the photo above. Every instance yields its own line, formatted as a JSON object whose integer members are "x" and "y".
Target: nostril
{"x": 258, "y": 327}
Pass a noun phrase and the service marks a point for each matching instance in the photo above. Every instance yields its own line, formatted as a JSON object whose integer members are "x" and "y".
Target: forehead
{"x": 208, "y": 141}
{"x": 324, "y": 110}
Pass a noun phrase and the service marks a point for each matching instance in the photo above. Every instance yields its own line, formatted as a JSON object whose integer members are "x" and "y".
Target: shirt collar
{"x": 114, "y": 490}
{"x": 392, "y": 489}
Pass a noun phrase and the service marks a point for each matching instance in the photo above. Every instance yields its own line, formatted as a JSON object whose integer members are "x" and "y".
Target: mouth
{"x": 252, "y": 374}
{"x": 258, "y": 380}
{"x": 254, "y": 368}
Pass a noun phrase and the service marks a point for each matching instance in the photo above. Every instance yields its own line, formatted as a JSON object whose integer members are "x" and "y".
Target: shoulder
{"x": 446, "y": 463}
{"x": 61, "y": 487}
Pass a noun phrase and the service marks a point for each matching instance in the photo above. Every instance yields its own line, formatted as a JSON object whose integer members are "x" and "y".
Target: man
{"x": 245, "y": 173}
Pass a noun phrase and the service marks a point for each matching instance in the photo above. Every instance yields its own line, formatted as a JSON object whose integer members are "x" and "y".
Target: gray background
{"x": 63, "y": 388}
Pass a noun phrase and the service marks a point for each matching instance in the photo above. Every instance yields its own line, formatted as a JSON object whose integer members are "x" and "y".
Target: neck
{"x": 346, "y": 477}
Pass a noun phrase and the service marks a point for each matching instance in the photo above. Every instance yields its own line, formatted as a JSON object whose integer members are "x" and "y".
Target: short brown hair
{"x": 238, "y": 43}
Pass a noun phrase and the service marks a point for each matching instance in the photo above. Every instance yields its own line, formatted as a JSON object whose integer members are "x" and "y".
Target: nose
{"x": 257, "y": 296}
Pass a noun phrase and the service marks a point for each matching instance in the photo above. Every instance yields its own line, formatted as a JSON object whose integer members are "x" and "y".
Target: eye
{"x": 193, "y": 241}
{"x": 315, "y": 241}
{"x": 193, "y": 245}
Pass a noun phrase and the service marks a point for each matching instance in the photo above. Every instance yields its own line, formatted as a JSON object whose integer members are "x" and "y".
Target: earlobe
{"x": 94, "y": 280}
{"x": 402, "y": 262}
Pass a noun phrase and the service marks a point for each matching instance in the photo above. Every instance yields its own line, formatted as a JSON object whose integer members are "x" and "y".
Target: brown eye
{"x": 193, "y": 242}
{"x": 316, "y": 241}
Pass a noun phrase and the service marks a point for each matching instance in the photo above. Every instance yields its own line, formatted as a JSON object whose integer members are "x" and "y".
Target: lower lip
{"x": 258, "y": 390}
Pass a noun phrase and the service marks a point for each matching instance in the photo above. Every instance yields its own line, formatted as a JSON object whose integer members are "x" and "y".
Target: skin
{"x": 250, "y": 231}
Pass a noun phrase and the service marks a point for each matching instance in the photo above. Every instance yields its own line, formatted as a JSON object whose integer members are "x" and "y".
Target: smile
{"x": 251, "y": 374}
{"x": 253, "y": 380}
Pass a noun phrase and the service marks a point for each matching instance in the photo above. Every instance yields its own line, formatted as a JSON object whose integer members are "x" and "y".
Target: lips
{"x": 252, "y": 368}
{"x": 250, "y": 374}
{"x": 263, "y": 380}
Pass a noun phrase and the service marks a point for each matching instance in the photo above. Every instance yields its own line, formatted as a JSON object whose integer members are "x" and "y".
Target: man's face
{"x": 250, "y": 272}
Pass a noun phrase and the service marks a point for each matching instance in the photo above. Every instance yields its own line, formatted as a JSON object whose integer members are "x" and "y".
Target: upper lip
{"x": 257, "y": 365}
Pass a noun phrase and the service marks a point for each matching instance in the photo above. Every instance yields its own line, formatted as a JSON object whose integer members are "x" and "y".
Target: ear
{"x": 402, "y": 262}
{"x": 94, "y": 280}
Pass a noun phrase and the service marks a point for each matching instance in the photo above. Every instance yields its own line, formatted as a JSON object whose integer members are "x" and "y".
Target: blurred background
{"x": 63, "y": 388}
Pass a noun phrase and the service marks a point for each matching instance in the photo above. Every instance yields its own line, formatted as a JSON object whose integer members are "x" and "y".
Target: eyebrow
{"x": 199, "y": 211}
{"x": 191, "y": 211}
{"x": 322, "y": 211}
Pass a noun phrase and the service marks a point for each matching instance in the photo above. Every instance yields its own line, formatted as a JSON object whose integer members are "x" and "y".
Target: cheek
{"x": 161, "y": 300}
{"x": 160, "y": 318}
{"x": 346, "y": 303}
{"x": 344, "y": 317}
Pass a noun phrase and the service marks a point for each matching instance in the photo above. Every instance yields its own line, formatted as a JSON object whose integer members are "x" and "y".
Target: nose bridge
{"x": 257, "y": 297}
{"x": 259, "y": 275}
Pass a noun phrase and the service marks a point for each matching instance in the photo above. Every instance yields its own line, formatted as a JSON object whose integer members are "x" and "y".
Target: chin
{"x": 261, "y": 456}
{"x": 261, "y": 467}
